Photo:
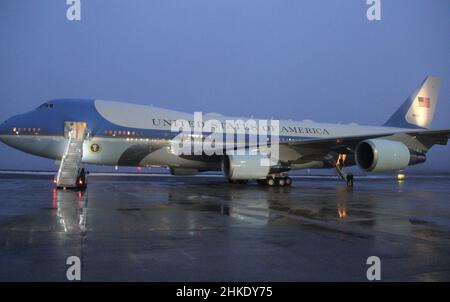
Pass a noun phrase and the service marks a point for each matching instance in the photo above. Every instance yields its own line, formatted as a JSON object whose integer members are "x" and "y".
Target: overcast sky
{"x": 310, "y": 59}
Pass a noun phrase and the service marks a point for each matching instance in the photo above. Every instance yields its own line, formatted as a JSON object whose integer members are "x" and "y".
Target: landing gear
{"x": 281, "y": 182}
{"x": 288, "y": 181}
{"x": 272, "y": 180}
{"x": 276, "y": 181}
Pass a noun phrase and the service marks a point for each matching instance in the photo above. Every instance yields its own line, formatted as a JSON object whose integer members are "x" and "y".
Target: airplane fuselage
{"x": 123, "y": 134}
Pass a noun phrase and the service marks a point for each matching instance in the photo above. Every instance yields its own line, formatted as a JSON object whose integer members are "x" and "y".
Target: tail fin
{"x": 418, "y": 110}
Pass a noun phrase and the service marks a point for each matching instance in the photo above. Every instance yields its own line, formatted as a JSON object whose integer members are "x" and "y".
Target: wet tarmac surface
{"x": 204, "y": 229}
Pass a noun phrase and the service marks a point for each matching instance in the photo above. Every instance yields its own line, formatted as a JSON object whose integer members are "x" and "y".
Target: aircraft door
{"x": 79, "y": 129}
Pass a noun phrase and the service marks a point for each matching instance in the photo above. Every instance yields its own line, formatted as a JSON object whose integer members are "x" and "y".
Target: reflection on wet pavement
{"x": 71, "y": 210}
{"x": 203, "y": 229}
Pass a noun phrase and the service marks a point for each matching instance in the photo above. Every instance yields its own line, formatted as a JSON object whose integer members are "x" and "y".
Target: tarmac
{"x": 168, "y": 228}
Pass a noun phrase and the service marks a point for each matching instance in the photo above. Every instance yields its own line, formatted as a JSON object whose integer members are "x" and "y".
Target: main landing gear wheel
{"x": 288, "y": 181}
{"x": 281, "y": 182}
{"x": 271, "y": 181}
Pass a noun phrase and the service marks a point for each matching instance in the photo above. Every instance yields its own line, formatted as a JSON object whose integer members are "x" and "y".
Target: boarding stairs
{"x": 71, "y": 161}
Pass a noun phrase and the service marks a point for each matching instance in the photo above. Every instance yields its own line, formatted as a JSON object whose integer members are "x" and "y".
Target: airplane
{"x": 74, "y": 132}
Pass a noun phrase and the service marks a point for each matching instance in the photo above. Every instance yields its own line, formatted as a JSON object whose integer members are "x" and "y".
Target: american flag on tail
{"x": 424, "y": 102}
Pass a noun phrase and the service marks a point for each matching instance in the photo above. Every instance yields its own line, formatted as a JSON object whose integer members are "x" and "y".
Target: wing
{"x": 316, "y": 153}
{"x": 327, "y": 150}
{"x": 428, "y": 137}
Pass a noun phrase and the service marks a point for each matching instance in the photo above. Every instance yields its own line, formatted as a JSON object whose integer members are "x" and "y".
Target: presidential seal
{"x": 95, "y": 148}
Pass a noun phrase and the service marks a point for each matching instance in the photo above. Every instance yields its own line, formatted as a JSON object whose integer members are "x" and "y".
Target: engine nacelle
{"x": 239, "y": 167}
{"x": 381, "y": 155}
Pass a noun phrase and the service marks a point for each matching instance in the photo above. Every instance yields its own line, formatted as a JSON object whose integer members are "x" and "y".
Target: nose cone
{"x": 8, "y": 132}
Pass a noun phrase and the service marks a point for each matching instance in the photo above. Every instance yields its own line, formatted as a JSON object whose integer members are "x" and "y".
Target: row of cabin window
{"x": 28, "y": 130}
{"x": 126, "y": 133}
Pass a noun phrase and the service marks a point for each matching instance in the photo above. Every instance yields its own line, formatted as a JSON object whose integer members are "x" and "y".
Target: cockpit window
{"x": 46, "y": 105}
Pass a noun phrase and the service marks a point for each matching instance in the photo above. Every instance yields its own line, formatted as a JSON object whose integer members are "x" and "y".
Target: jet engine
{"x": 381, "y": 155}
{"x": 243, "y": 167}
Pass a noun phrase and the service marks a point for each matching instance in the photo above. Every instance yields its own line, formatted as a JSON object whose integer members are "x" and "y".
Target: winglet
{"x": 418, "y": 110}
